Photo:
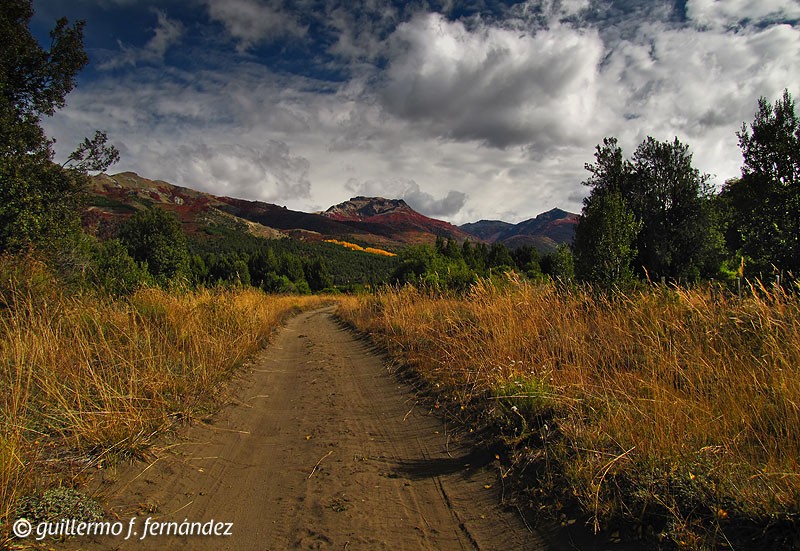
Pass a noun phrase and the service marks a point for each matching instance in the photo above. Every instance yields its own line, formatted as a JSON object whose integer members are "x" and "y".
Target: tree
{"x": 415, "y": 260}
{"x": 607, "y": 230}
{"x": 499, "y": 257}
{"x": 528, "y": 260}
{"x": 452, "y": 250}
{"x": 318, "y": 274}
{"x": 475, "y": 255}
{"x": 38, "y": 198}
{"x": 673, "y": 202}
{"x": 765, "y": 203}
{"x": 610, "y": 172}
{"x": 660, "y": 198}
{"x": 155, "y": 236}
{"x": 115, "y": 271}
{"x": 604, "y": 240}
{"x": 559, "y": 264}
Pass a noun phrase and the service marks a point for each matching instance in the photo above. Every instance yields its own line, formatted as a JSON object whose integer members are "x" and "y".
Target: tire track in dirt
{"x": 323, "y": 449}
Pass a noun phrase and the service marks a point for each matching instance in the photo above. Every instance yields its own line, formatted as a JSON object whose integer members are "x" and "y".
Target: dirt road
{"x": 324, "y": 449}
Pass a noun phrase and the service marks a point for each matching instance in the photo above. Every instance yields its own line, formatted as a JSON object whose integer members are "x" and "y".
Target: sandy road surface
{"x": 325, "y": 449}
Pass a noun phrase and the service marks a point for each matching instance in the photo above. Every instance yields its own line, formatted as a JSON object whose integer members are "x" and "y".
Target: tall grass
{"x": 86, "y": 380}
{"x": 676, "y": 410}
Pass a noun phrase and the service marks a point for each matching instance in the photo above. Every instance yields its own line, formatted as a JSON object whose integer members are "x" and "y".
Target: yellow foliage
{"x": 354, "y": 247}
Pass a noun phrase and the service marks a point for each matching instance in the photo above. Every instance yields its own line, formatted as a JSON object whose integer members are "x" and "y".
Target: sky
{"x": 468, "y": 110}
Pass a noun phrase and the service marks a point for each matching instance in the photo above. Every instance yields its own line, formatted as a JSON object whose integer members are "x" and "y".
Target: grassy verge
{"x": 85, "y": 380}
{"x": 673, "y": 414}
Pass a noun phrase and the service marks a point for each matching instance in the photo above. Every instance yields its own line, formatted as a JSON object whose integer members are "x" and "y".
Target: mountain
{"x": 394, "y": 219}
{"x": 369, "y": 221}
{"x": 545, "y": 232}
{"x": 488, "y": 230}
{"x": 374, "y": 222}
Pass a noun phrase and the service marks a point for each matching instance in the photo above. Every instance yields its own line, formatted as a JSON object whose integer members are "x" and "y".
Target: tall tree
{"x": 765, "y": 201}
{"x": 155, "y": 236}
{"x": 38, "y": 198}
{"x": 610, "y": 171}
{"x": 604, "y": 240}
{"x": 672, "y": 199}
{"x": 652, "y": 213}
{"x": 559, "y": 264}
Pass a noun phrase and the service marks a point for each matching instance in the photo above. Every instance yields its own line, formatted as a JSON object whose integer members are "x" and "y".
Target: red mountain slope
{"x": 393, "y": 219}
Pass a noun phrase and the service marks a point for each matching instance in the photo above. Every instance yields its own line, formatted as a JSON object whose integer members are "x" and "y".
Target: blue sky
{"x": 467, "y": 110}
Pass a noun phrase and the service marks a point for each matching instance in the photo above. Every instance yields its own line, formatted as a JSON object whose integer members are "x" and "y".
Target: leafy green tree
{"x": 452, "y": 250}
{"x": 664, "y": 198}
{"x": 263, "y": 264}
{"x": 274, "y": 283}
{"x": 292, "y": 267}
{"x": 318, "y": 274}
{"x": 528, "y": 261}
{"x": 414, "y": 262}
{"x": 765, "y": 203}
{"x": 198, "y": 268}
{"x": 672, "y": 200}
{"x": 607, "y": 230}
{"x": 604, "y": 240}
{"x": 155, "y": 236}
{"x": 115, "y": 270}
{"x": 560, "y": 264}
{"x": 499, "y": 257}
{"x": 610, "y": 171}
{"x": 475, "y": 255}
{"x": 39, "y": 199}
{"x": 229, "y": 267}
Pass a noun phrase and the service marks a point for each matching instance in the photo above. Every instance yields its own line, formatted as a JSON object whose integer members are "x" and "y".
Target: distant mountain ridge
{"x": 374, "y": 221}
{"x": 361, "y": 208}
{"x": 545, "y": 232}
{"x": 487, "y": 230}
{"x": 393, "y": 217}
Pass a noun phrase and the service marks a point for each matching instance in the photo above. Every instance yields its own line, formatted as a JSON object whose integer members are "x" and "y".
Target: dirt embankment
{"x": 322, "y": 448}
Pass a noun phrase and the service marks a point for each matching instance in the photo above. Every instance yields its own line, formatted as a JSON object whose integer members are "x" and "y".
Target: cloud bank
{"x": 464, "y": 113}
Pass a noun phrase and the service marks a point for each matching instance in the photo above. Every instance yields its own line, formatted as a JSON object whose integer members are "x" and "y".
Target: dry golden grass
{"x": 670, "y": 407}
{"x": 85, "y": 379}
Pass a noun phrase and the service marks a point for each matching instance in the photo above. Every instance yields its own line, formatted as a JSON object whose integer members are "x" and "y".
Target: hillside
{"x": 369, "y": 221}
{"x": 488, "y": 230}
{"x": 376, "y": 222}
{"x": 393, "y": 219}
{"x": 545, "y": 232}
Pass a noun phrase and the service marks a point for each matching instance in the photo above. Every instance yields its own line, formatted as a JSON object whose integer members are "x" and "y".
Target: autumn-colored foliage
{"x": 354, "y": 247}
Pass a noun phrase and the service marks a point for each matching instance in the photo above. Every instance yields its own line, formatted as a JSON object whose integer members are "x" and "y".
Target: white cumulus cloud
{"x": 724, "y": 13}
{"x": 493, "y": 85}
{"x": 254, "y": 21}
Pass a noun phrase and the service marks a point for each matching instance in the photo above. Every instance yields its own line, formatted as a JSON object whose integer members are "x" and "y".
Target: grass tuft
{"x": 674, "y": 412}
{"x": 88, "y": 380}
